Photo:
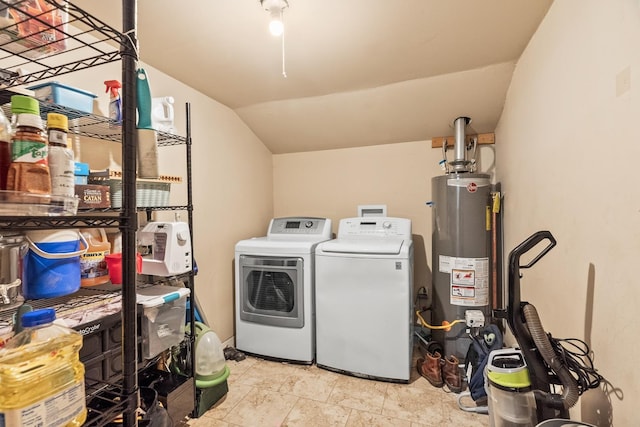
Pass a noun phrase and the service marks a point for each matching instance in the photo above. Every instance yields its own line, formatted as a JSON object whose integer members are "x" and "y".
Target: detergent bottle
{"x": 93, "y": 264}
{"x": 115, "y": 102}
{"x": 162, "y": 114}
{"x": 41, "y": 374}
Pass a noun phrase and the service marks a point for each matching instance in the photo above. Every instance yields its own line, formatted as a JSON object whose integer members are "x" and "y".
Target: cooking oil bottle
{"x": 41, "y": 376}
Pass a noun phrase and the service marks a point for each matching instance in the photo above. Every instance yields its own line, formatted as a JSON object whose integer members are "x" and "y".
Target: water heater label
{"x": 469, "y": 280}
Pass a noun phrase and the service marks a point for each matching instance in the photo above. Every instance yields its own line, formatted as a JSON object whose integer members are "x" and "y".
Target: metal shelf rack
{"x": 89, "y": 125}
{"x": 91, "y": 42}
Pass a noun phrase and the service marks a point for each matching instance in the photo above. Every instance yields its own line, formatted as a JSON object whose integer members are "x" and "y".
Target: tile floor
{"x": 268, "y": 393}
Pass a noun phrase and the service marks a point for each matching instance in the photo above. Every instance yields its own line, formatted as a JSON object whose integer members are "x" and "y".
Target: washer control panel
{"x": 374, "y": 227}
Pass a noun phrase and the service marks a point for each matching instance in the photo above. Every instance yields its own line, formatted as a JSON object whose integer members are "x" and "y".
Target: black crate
{"x": 97, "y": 336}
{"x": 101, "y": 351}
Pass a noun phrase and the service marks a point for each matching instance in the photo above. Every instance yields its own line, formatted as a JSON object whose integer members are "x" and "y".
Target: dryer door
{"x": 271, "y": 290}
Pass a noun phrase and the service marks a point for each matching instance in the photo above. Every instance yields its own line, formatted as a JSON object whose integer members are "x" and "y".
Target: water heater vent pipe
{"x": 460, "y": 162}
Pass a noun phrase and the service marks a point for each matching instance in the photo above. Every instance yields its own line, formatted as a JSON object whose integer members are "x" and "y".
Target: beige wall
{"x": 567, "y": 154}
{"x": 232, "y": 176}
{"x": 567, "y": 147}
{"x": 333, "y": 183}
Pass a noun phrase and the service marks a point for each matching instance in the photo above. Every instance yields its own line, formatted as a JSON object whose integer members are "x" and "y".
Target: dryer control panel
{"x": 378, "y": 227}
{"x": 304, "y": 226}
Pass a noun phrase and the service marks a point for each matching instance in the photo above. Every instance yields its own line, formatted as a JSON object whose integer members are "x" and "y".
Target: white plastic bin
{"x": 163, "y": 320}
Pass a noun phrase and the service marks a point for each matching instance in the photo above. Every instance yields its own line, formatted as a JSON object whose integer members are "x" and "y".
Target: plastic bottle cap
{"x": 24, "y": 104}
{"x": 38, "y": 317}
{"x": 57, "y": 121}
{"x": 31, "y": 120}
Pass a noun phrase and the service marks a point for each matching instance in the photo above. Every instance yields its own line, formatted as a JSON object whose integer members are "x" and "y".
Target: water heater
{"x": 460, "y": 246}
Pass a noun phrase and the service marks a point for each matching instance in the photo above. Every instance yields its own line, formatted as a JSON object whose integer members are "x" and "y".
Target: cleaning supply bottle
{"x": 29, "y": 168}
{"x": 93, "y": 264}
{"x": 60, "y": 157}
{"x": 162, "y": 115}
{"x": 115, "y": 102}
{"x": 41, "y": 374}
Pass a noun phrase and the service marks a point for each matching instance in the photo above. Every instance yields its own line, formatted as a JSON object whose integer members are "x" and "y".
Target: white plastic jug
{"x": 162, "y": 114}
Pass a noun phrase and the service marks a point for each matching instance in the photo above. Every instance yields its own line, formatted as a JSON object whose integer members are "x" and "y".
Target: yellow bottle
{"x": 41, "y": 375}
{"x": 93, "y": 265}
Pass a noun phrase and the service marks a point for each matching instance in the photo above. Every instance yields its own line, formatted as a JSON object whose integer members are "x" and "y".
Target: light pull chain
{"x": 284, "y": 72}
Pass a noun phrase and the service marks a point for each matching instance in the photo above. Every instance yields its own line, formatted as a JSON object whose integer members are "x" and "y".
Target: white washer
{"x": 364, "y": 282}
{"x": 275, "y": 289}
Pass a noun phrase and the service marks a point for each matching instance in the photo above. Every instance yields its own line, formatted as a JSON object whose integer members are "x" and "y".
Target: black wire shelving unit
{"x": 89, "y": 42}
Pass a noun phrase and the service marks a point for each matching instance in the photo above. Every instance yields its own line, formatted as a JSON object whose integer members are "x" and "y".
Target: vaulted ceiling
{"x": 358, "y": 72}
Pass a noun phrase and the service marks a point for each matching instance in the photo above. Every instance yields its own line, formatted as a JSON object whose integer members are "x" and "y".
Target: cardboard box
{"x": 80, "y": 168}
{"x": 81, "y": 173}
{"x": 93, "y": 196}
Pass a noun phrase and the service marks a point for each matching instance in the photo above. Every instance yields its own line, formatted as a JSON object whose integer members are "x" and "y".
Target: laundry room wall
{"x": 332, "y": 183}
{"x": 568, "y": 163}
{"x": 232, "y": 181}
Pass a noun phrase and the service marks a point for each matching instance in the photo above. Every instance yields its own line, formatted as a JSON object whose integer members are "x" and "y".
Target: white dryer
{"x": 274, "y": 289}
{"x": 364, "y": 282}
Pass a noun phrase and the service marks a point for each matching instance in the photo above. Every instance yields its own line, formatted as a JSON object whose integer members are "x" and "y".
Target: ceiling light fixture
{"x": 276, "y": 26}
{"x": 275, "y": 9}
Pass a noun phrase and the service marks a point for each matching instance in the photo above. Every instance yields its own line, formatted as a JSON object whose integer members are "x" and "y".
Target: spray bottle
{"x": 115, "y": 102}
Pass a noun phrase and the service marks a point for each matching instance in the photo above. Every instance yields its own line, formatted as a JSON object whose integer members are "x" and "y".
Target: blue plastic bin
{"x": 66, "y": 96}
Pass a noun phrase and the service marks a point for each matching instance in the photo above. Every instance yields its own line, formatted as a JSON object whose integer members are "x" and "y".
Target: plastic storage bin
{"x": 163, "y": 319}
{"x": 66, "y": 96}
{"x": 33, "y": 37}
{"x": 18, "y": 203}
{"x": 149, "y": 192}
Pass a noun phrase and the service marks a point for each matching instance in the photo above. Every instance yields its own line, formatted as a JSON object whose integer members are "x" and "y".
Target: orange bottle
{"x": 93, "y": 265}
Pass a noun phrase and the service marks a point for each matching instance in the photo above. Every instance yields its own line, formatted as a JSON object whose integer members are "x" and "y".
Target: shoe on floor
{"x": 429, "y": 367}
{"x": 231, "y": 353}
{"x": 451, "y": 374}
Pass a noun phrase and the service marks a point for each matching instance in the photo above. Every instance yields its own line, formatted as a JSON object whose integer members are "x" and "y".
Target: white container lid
{"x": 31, "y": 120}
{"x": 54, "y": 236}
{"x": 153, "y": 296}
